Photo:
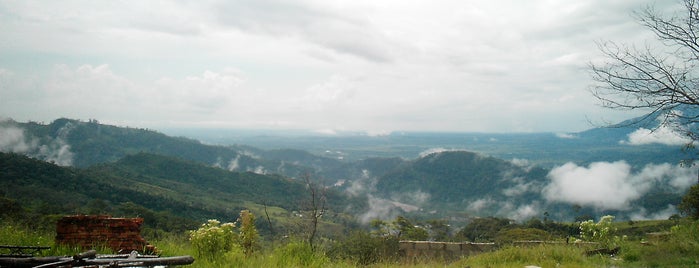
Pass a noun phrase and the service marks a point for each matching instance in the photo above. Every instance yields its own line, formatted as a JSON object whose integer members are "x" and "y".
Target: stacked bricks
{"x": 447, "y": 250}
{"x": 87, "y": 231}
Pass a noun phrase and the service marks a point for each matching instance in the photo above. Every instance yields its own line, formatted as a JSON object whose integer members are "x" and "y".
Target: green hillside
{"x": 176, "y": 173}
{"x": 452, "y": 180}
{"x": 84, "y": 144}
{"x": 170, "y": 193}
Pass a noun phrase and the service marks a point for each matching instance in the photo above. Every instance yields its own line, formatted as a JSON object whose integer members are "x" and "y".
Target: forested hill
{"x": 76, "y": 143}
{"x": 170, "y": 193}
{"x": 164, "y": 173}
{"x": 458, "y": 176}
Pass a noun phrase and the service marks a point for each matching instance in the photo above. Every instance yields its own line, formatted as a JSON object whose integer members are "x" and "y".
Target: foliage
{"x": 601, "y": 232}
{"x": 248, "y": 233}
{"x": 213, "y": 239}
{"x": 677, "y": 248}
{"x": 401, "y": 228}
{"x": 362, "y": 248}
{"x": 521, "y": 234}
{"x": 439, "y": 230}
{"x": 406, "y": 230}
{"x": 449, "y": 176}
{"x": 298, "y": 254}
{"x": 483, "y": 229}
{"x": 170, "y": 194}
{"x": 541, "y": 256}
{"x": 690, "y": 202}
{"x": 175, "y": 175}
{"x": 12, "y": 234}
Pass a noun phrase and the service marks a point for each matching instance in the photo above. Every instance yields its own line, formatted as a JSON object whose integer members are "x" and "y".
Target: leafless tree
{"x": 663, "y": 80}
{"x": 316, "y": 206}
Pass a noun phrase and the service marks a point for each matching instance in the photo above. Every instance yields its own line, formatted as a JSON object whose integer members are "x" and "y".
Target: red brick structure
{"x": 88, "y": 231}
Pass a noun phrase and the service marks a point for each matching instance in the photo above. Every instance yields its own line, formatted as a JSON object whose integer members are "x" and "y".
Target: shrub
{"x": 362, "y": 248}
{"x": 248, "y": 232}
{"x": 521, "y": 234}
{"x": 601, "y": 232}
{"x": 213, "y": 239}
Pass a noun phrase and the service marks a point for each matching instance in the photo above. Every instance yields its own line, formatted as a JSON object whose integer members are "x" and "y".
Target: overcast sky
{"x": 376, "y": 66}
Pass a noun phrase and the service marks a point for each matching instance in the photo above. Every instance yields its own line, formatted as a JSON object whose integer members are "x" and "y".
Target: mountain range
{"x": 75, "y": 166}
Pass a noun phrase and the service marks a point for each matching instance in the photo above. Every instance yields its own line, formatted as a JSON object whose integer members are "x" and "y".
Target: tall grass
{"x": 679, "y": 248}
{"x": 547, "y": 255}
{"x": 12, "y": 234}
{"x": 19, "y": 235}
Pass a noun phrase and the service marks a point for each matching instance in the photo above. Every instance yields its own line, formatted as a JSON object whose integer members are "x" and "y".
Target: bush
{"x": 213, "y": 239}
{"x": 248, "y": 232}
{"x": 601, "y": 232}
{"x": 521, "y": 234}
{"x": 483, "y": 229}
{"x": 362, "y": 248}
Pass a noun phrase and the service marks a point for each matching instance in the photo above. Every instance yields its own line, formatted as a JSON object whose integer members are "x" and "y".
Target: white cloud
{"x": 662, "y": 135}
{"x": 366, "y": 183}
{"x": 524, "y": 212}
{"x": 440, "y": 150}
{"x": 416, "y": 198}
{"x": 379, "y": 208}
{"x": 343, "y": 65}
{"x": 642, "y": 214}
{"x": 602, "y": 185}
{"x": 480, "y": 204}
{"x": 606, "y": 185}
{"x": 210, "y": 91}
{"x": 55, "y": 150}
{"x": 518, "y": 189}
{"x": 12, "y": 140}
{"x": 566, "y": 136}
{"x": 523, "y": 163}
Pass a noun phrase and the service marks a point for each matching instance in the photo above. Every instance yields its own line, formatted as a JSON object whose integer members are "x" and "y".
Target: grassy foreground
{"x": 679, "y": 247}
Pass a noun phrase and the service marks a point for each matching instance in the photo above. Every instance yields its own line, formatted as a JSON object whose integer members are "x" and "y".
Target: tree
{"x": 406, "y": 230}
{"x": 248, "y": 232}
{"x": 689, "y": 205}
{"x": 317, "y": 199}
{"x": 483, "y": 229}
{"x": 439, "y": 230}
{"x": 662, "y": 80}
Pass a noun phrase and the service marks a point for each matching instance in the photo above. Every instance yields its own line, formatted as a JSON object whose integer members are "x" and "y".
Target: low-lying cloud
{"x": 379, "y": 208}
{"x": 611, "y": 185}
{"x": 507, "y": 209}
{"x": 643, "y": 214}
{"x": 54, "y": 150}
{"x": 12, "y": 140}
{"x": 662, "y": 135}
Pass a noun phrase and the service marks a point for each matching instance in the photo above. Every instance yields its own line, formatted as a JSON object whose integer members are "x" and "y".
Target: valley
{"x": 424, "y": 186}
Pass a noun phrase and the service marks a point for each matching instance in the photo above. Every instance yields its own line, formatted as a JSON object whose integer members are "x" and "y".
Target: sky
{"x": 328, "y": 66}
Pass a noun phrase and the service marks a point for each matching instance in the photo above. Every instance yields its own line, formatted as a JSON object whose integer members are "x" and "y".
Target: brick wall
{"x": 89, "y": 231}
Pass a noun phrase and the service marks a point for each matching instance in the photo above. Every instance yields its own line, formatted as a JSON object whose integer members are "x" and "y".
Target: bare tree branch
{"x": 662, "y": 81}
{"x": 317, "y": 207}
